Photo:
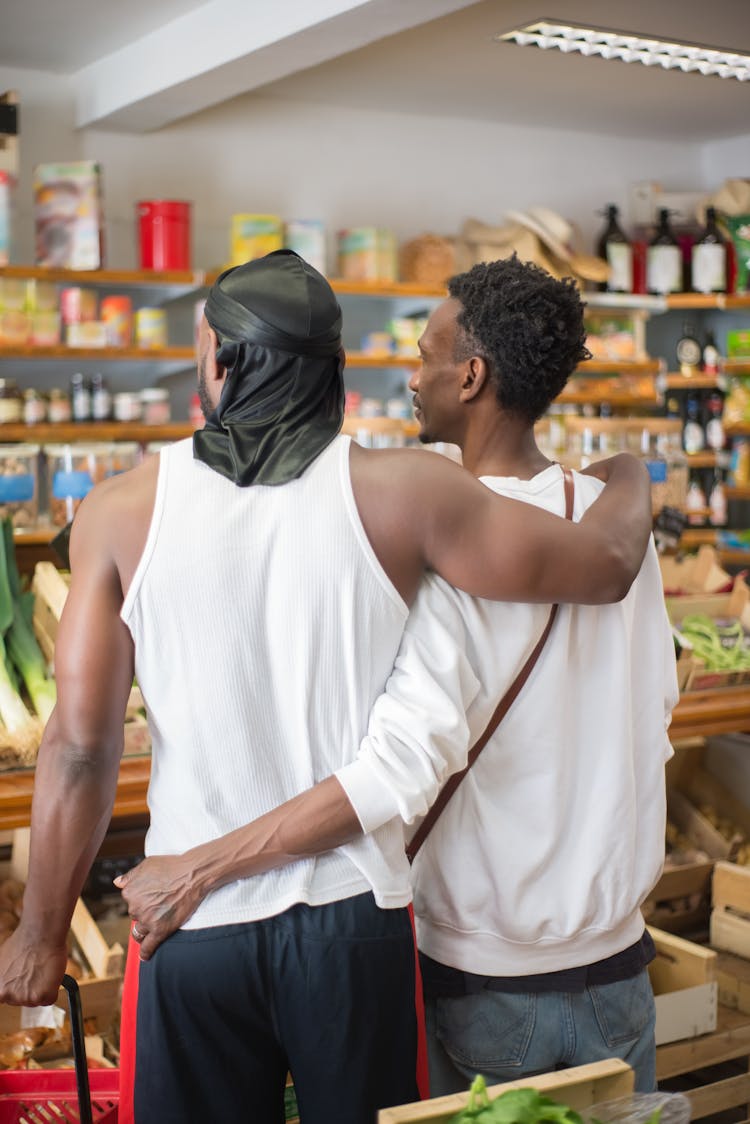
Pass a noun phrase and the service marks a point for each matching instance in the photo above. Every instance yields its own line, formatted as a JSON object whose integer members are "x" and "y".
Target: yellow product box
{"x": 45, "y": 328}
{"x": 367, "y": 253}
{"x": 15, "y": 327}
{"x": 150, "y": 326}
{"x": 254, "y": 236}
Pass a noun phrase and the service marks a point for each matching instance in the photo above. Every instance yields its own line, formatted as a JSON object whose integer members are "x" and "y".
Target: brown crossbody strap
{"x": 501, "y": 710}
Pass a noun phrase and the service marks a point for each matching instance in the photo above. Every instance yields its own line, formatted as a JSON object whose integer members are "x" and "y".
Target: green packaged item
{"x": 738, "y": 228}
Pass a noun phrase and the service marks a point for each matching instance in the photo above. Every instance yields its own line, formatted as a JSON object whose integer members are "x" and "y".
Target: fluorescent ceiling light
{"x": 689, "y": 58}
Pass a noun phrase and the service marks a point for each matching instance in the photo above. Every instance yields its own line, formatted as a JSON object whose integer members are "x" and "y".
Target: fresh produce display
{"x": 517, "y": 1106}
{"x": 729, "y": 831}
{"x": 22, "y": 664}
{"x": 721, "y": 645}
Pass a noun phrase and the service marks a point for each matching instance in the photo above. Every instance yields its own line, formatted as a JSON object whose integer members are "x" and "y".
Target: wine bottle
{"x": 715, "y": 435}
{"x": 664, "y": 259}
{"x": 709, "y": 258}
{"x": 614, "y": 247}
{"x": 689, "y": 351}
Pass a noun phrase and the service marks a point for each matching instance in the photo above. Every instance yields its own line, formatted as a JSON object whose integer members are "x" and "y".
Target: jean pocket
{"x": 488, "y": 1031}
{"x": 623, "y": 1009}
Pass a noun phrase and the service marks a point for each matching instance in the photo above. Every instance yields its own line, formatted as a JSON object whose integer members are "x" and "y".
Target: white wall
{"x": 347, "y": 167}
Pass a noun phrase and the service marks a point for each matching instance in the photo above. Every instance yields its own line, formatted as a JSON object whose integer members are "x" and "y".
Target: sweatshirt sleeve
{"x": 418, "y": 732}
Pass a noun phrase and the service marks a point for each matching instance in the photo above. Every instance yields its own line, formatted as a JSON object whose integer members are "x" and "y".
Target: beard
{"x": 205, "y": 401}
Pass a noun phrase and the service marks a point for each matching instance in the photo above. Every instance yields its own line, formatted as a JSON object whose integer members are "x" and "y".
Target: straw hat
{"x": 733, "y": 198}
{"x": 556, "y": 234}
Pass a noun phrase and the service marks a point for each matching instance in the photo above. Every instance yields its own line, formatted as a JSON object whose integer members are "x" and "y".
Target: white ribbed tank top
{"x": 264, "y": 629}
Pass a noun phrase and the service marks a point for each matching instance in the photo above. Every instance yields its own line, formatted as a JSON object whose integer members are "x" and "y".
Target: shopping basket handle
{"x": 79, "y": 1049}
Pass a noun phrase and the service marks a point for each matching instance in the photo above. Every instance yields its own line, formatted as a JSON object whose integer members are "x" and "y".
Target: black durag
{"x": 279, "y": 329}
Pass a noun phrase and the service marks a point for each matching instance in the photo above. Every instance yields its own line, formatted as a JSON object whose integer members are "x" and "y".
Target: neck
{"x": 503, "y": 447}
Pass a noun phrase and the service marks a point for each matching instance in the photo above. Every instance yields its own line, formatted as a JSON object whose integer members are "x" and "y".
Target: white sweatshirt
{"x": 543, "y": 856}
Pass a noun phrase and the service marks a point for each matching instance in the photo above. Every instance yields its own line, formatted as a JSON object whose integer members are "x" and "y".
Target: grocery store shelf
{"x": 387, "y": 289}
{"x": 63, "y": 432}
{"x": 736, "y": 366}
{"x": 693, "y": 382}
{"x": 16, "y": 789}
{"x": 703, "y": 460}
{"x": 384, "y": 359}
{"x": 614, "y": 398}
{"x": 700, "y": 713}
{"x": 619, "y": 367}
{"x": 720, "y": 301}
{"x": 739, "y": 429}
{"x": 100, "y": 354}
{"x": 190, "y": 279}
{"x": 738, "y": 492}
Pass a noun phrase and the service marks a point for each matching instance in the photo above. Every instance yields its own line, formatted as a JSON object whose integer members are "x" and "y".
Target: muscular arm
{"x": 76, "y": 774}
{"x": 494, "y": 547}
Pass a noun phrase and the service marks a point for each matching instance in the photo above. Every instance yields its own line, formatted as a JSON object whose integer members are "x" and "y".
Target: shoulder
{"x": 117, "y": 507}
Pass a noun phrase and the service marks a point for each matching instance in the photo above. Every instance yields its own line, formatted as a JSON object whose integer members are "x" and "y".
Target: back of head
{"x": 278, "y": 325}
{"x": 527, "y": 325}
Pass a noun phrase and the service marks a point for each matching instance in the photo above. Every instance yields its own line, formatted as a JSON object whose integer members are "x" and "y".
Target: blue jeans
{"x": 506, "y": 1037}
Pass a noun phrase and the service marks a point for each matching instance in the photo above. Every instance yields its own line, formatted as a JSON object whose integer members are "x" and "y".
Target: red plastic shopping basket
{"x": 39, "y": 1096}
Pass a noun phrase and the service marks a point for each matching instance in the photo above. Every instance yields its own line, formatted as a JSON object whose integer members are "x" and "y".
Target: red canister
{"x": 164, "y": 234}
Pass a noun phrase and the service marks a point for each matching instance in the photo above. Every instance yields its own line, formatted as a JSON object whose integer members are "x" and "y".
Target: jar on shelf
{"x": 155, "y": 408}
{"x": 127, "y": 406}
{"x": 34, "y": 406}
{"x": 11, "y": 401}
{"x": 72, "y": 471}
{"x": 124, "y": 455}
{"x": 58, "y": 406}
{"x": 19, "y": 485}
{"x": 658, "y": 442}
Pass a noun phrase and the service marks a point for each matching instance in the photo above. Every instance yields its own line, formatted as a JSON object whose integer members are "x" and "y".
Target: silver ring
{"x": 137, "y": 934}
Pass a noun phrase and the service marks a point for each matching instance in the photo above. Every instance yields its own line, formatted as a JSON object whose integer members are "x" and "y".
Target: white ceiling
{"x": 137, "y": 72}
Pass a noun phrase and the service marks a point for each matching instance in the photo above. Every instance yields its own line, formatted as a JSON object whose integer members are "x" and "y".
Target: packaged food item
{"x": 6, "y": 199}
{"x": 91, "y": 333}
{"x": 377, "y": 343}
{"x": 72, "y": 471}
{"x": 19, "y": 484}
{"x": 45, "y": 329}
{"x": 164, "y": 230}
{"x": 41, "y": 296}
{"x": 68, "y": 215}
{"x": 58, "y": 406}
{"x": 127, "y": 406}
{"x": 738, "y": 343}
{"x": 307, "y": 237}
{"x": 34, "y": 407}
{"x": 150, "y": 328}
{"x": 78, "y": 306}
{"x": 117, "y": 315}
{"x": 11, "y": 401}
{"x": 15, "y": 327}
{"x": 738, "y": 227}
{"x": 254, "y": 236}
{"x": 367, "y": 253}
{"x": 155, "y": 409}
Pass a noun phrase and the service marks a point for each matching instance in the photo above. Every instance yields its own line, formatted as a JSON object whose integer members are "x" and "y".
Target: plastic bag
{"x": 639, "y": 1108}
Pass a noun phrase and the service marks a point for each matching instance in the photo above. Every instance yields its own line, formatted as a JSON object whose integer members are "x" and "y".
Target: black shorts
{"x": 326, "y": 992}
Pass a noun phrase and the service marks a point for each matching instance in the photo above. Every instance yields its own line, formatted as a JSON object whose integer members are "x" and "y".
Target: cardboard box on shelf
{"x": 68, "y": 215}
{"x": 695, "y": 573}
{"x": 733, "y": 607}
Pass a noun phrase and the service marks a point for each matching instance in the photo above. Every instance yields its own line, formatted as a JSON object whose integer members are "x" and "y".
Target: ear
{"x": 216, "y": 369}
{"x": 474, "y": 378}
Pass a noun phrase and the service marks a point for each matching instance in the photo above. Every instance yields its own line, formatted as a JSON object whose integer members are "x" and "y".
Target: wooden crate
{"x": 733, "y": 977}
{"x": 683, "y": 976}
{"x": 100, "y": 993}
{"x": 50, "y": 588}
{"x": 692, "y": 1062}
{"x": 730, "y": 913}
{"x": 720, "y": 606}
{"x": 579, "y": 1087}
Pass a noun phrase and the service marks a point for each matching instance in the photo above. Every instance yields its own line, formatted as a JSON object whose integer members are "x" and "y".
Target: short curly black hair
{"x": 526, "y": 324}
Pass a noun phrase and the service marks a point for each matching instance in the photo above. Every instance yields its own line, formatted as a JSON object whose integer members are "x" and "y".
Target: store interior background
{"x": 398, "y": 113}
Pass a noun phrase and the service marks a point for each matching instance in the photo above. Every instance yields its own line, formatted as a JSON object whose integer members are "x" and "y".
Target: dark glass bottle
{"x": 689, "y": 351}
{"x": 615, "y": 248}
{"x": 709, "y": 258}
{"x": 664, "y": 259}
{"x": 80, "y": 398}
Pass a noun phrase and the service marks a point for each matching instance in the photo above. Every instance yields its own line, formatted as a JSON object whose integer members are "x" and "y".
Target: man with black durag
{"x": 256, "y": 579}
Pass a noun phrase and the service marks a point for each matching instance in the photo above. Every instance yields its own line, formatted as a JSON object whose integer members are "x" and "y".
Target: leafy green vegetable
{"x": 516, "y": 1106}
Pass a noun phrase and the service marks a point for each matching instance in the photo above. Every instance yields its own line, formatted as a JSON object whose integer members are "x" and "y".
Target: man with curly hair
{"x": 528, "y": 889}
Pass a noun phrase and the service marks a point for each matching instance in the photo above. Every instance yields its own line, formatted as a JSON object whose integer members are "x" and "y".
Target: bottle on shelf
{"x": 695, "y": 502}
{"x": 711, "y": 355}
{"x": 693, "y": 434}
{"x": 715, "y": 435}
{"x": 709, "y": 258}
{"x": 101, "y": 399}
{"x": 664, "y": 259}
{"x": 717, "y": 502}
{"x": 689, "y": 351}
{"x": 615, "y": 248}
{"x": 673, "y": 408}
{"x": 80, "y": 398}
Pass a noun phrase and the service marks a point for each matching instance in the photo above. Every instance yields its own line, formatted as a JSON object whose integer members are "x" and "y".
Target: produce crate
{"x": 683, "y": 976}
{"x": 733, "y": 975}
{"x": 730, "y": 915}
{"x": 694, "y": 573}
{"x": 100, "y": 993}
{"x": 579, "y": 1087}
{"x": 733, "y": 606}
{"x": 50, "y": 588}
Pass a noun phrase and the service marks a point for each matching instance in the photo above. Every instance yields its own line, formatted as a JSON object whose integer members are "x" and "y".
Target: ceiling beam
{"x": 230, "y": 47}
